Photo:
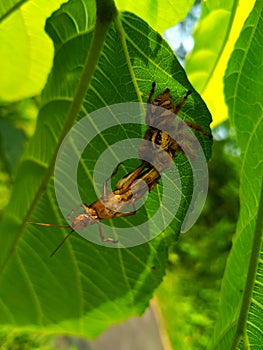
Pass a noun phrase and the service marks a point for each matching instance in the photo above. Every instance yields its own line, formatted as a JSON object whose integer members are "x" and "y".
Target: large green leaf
{"x": 215, "y": 36}
{"x": 241, "y": 309}
{"x": 86, "y": 287}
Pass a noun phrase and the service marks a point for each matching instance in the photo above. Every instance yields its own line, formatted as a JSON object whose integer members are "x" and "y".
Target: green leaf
{"x": 215, "y": 36}
{"x": 7, "y": 7}
{"x": 241, "y": 309}
{"x": 12, "y": 141}
{"x": 86, "y": 287}
{"x": 25, "y": 51}
{"x": 160, "y": 15}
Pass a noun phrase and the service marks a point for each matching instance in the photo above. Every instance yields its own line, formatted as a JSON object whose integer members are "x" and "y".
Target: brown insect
{"x": 132, "y": 186}
{"x": 127, "y": 192}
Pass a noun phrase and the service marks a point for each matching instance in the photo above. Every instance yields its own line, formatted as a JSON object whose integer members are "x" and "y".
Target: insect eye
{"x": 158, "y": 138}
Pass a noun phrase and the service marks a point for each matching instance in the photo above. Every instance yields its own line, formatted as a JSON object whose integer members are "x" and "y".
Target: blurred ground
{"x": 140, "y": 333}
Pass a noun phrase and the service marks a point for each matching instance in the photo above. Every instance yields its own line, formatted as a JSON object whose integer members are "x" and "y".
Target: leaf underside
{"x": 86, "y": 287}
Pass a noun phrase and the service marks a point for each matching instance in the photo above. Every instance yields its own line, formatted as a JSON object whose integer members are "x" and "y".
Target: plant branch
{"x": 106, "y": 11}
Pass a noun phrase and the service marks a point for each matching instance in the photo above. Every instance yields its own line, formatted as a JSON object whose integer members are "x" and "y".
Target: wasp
{"x": 142, "y": 179}
{"x": 160, "y": 117}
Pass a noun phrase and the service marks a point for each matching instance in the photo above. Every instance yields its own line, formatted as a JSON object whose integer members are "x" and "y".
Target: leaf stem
{"x": 106, "y": 11}
{"x": 251, "y": 274}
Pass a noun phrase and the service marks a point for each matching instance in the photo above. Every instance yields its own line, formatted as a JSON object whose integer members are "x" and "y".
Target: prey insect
{"x": 127, "y": 192}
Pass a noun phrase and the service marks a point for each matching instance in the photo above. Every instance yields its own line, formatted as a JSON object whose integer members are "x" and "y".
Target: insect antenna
{"x": 43, "y": 224}
{"x": 60, "y": 244}
{"x": 54, "y": 225}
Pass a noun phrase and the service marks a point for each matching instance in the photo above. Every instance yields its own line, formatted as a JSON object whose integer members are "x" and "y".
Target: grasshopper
{"x": 132, "y": 186}
{"x": 127, "y": 192}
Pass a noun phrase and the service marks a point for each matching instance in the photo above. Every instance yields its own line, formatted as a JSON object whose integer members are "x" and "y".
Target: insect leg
{"x": 125, "y": 183}
{"x": 128, "y": 213}
{"x": 181, "y": 103}
{"x": 102, "y": 236}
{"x": 105, "y": 184}
{"x": 190, "y": 124}
{"x": 198, "y": 128}
{"x": 151, "y": 93}
{"x": 149, "y": 101}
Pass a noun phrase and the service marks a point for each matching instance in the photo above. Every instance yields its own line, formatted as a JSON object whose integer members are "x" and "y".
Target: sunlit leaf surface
{"x": 215, "y": 36}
